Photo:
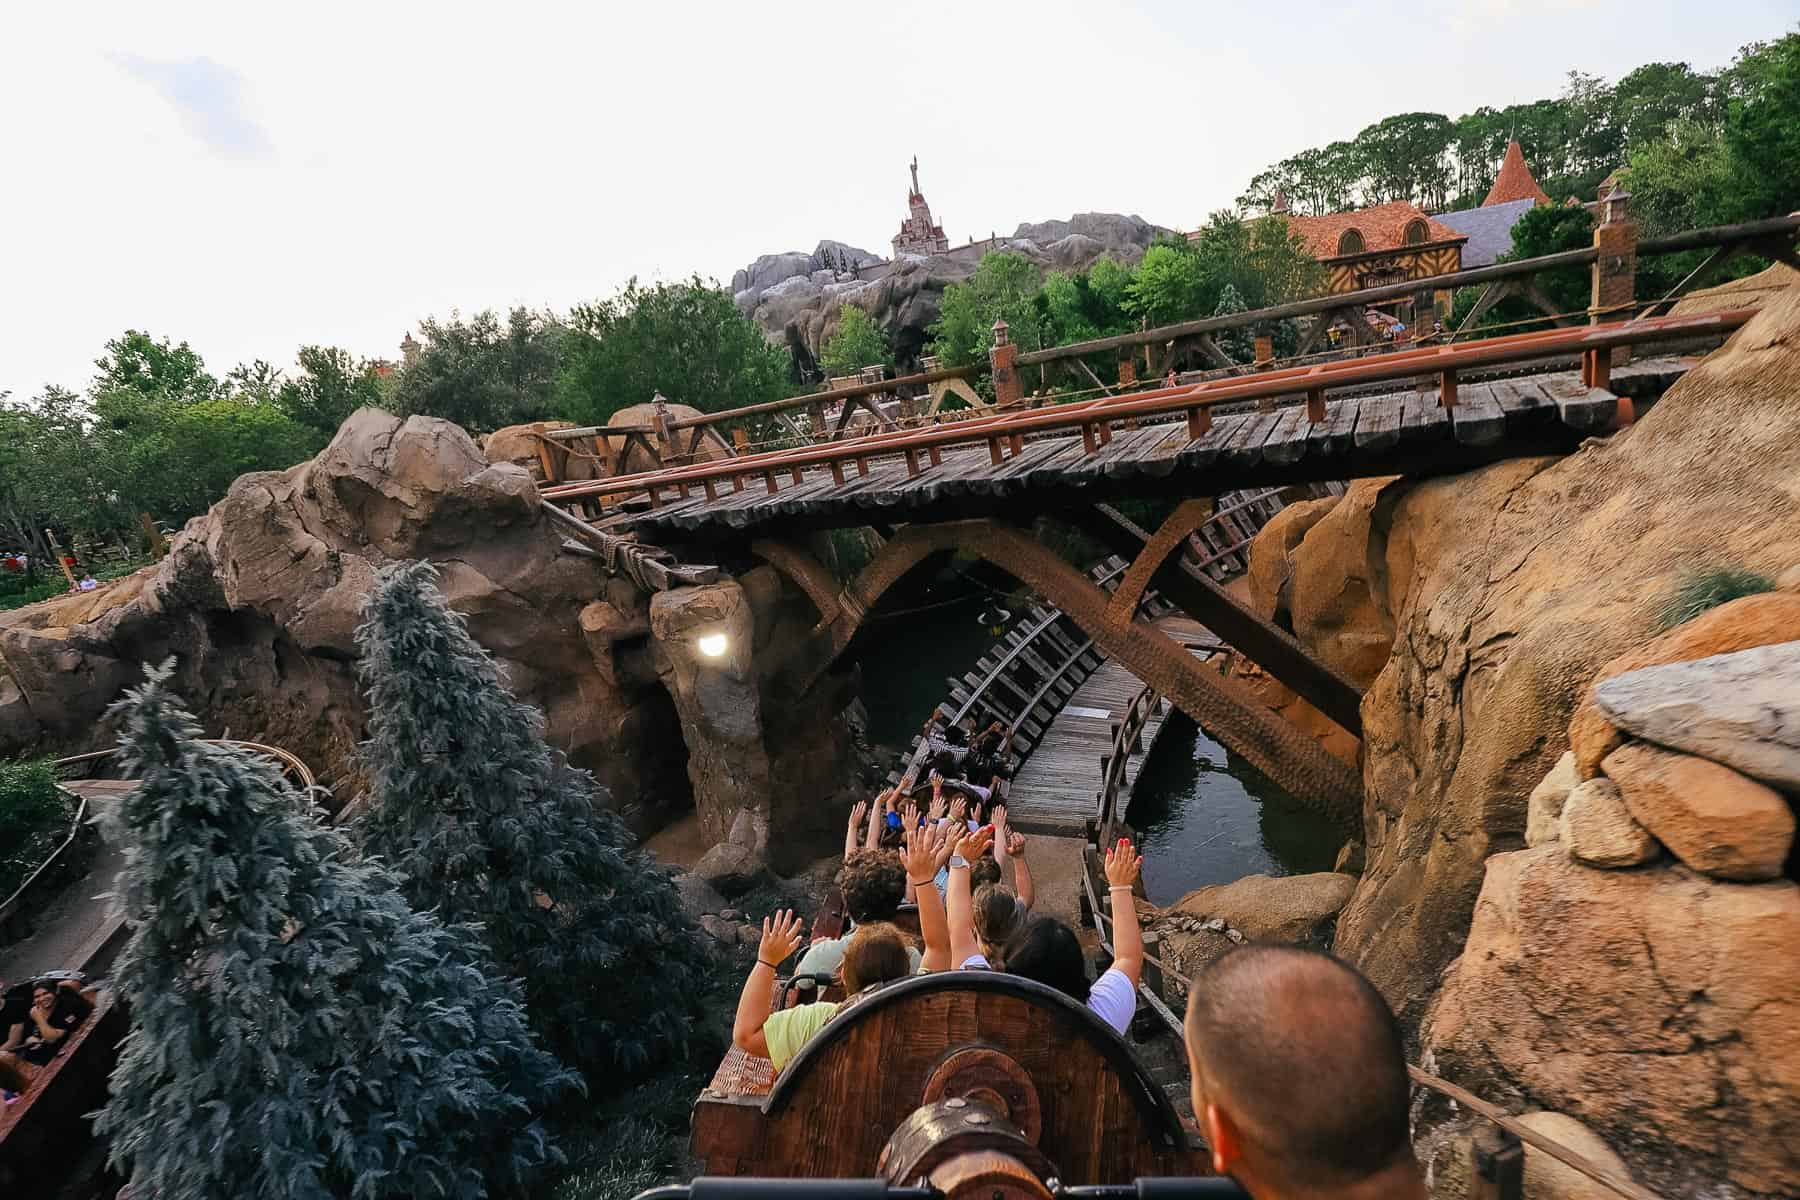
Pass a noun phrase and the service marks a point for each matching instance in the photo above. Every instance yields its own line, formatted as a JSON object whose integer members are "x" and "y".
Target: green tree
{"x": 297, "y": 1032}
{"x": 1005, "y": 285}
{"x": 331, "y": 386}
{"x": 1239, "y": 344}
{"x": 488, "y": 824}
{"x": 1169, "y": 285}
{"x": 153, "y": 369}
{"x": 858, "y": 343}
{"x": 483, "y": 374}
{"x": 1762, "y": 130}
{"x": 686, "y": 340}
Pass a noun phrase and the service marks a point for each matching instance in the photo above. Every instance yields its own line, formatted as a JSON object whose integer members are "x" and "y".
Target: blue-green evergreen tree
{"x": 487, "y": 824}
{"x": 298, "y": 1032}
{"x": 1238, "y": 344}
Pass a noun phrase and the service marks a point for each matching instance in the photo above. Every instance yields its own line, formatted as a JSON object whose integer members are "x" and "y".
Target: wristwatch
{"x": 957, "y": 860}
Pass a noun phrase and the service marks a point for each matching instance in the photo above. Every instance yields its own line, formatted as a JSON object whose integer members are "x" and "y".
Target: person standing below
{"x": 1299, "y": 1078}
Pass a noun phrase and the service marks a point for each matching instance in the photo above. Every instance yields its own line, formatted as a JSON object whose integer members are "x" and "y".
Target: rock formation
{"x": 796, "y": 297}
{"x": 1501, "y": 594}
{"x": 259, "y": 599}
{"x": 1294, "y": 910}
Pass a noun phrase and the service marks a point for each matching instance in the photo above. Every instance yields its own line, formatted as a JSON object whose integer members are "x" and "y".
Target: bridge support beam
{"x": 1269, "y": 647}
{"x": 1222, "y": 706}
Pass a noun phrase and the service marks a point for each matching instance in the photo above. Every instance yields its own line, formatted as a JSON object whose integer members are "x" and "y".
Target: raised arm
{"x": 958, "y": 900}
{"x": 877, "y": 810}
{"x": 1015, "y": 850}
{"x": 854, "y": 827}
{"x": 920, "y": 858}
{"x": 780, "y": 938}
{"x": 1122, "y": 865}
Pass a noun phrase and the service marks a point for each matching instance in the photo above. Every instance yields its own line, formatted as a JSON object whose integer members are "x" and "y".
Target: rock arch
{"x": 1219, "y": 705}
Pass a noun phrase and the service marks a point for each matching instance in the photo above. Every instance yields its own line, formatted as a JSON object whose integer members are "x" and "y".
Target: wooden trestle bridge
{"x": 977, "y": 481}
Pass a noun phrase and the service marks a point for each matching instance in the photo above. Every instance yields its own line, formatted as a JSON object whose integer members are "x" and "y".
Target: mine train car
{"x": 963, "y": 1082}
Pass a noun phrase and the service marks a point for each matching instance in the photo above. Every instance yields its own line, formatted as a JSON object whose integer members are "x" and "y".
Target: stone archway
{"x": 1219, "y": 705}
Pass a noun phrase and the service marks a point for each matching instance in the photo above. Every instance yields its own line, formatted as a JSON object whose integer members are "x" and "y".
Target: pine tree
{"x": 297, "y": 1031}
{"x": 1237, "y": 343}
{"x": 487, "y": 824}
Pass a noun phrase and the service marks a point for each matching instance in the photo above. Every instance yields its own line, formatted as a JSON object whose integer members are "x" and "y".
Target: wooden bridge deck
{"x": 1396, "y": 432}
{"x": 1056, "y": 791}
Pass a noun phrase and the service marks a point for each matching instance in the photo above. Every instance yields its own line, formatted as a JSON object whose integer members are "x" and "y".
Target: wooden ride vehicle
{"x": 45, "y": 1125}
{"x": 948, "y": 1077}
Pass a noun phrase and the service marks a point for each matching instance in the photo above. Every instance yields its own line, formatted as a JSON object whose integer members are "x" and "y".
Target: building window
{"x": 1350, "y": 242}
{"x": 1416, "y": 233}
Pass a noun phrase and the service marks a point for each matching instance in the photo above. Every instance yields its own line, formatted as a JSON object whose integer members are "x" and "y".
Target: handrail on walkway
{"x": 1095, "y": 419}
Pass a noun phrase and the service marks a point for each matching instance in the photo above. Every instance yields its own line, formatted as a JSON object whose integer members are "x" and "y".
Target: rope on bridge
{"x": 1483, "y": 1108}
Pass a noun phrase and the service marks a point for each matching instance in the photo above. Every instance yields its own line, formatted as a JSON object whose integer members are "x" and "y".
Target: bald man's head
{"x": 1305, "y": 1058}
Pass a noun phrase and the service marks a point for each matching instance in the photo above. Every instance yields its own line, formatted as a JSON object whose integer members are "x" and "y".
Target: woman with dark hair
{"x": 1048, "y": 951}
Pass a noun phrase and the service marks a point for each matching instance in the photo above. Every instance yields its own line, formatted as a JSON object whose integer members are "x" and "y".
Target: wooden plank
{"x": 1204, "y": 451}
{"x": 1245, "y": 448}
{"x": 1287, "y": 441}
{"x": 1581, "y": 407}
{"x": 1477, "y": 418}
{"x": 1335, "y": 434}
{"x": 1421, "y": 419}
{"x": 1128, "y": 464}
{"x": 1378, "y": 422}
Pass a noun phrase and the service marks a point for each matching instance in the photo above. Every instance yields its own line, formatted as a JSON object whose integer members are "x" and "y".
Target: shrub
{"x": 297, "y": 1031}
{"x": 34, "y": 817}
{"x": 1706, "y": 589}
{"x": 487, "y": 824}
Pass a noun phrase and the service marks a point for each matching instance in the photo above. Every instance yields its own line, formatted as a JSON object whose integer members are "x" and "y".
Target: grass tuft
{"x": 1703, "y": 590}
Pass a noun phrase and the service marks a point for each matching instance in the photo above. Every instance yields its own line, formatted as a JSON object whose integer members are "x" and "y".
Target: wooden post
{"x": 1497, "y": 1165}
{"x": 61, "y": 558}
{"x": 740, "y": 440}
{"x": 1153, "y": 973}
{"x": 546, "y": 456}
{"x": 159, "y": 545}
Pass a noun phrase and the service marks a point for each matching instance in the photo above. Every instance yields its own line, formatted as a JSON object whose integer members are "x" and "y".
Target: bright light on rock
{"x": 712, "y": 645}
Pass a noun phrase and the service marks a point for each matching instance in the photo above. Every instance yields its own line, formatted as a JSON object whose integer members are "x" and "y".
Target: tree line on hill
{"x": 155, "y": 432}
{"x": 1702, "y": 148}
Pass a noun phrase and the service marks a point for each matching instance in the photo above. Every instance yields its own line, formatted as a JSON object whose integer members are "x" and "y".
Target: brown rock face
{"x": 259, "y": 599}
{"x": 1658, "y": 1006}
{"x": 1272, "y": 908}
{"x": 1543, "y": 808}
{"x": 1742, "y": 624}
{"x": 1509, "y": 588}
{"x": 1271, "y": 556}
{"x": 1709, "y": 816}
{"x": 1338, "y": 583}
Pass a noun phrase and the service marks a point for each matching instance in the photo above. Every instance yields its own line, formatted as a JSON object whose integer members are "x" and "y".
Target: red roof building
{"x": 1378, "y": 245}
{"x": 1515, "y": 181}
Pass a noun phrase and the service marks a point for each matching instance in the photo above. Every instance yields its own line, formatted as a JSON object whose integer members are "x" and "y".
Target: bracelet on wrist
{"x": 919, "y": 883}
{"x": 765, "y": 962}
{"x": 1121, "y": 887}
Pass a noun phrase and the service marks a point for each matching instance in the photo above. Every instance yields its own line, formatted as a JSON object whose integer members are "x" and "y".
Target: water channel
{"x": 1204, "y": 814}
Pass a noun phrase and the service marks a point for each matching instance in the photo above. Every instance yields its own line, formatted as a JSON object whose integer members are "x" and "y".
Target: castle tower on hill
{"x": 919, "y": 234}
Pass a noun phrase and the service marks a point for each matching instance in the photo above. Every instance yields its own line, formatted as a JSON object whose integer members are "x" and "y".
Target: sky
{"x": 251, "y": 178}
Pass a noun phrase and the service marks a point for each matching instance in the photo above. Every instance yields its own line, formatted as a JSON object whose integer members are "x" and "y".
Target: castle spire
{"x": 915, "y": 175}
{"x": 1515, "y": 181}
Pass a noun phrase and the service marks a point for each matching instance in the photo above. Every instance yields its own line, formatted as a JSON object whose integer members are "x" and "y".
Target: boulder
{"x": 1272, "y": 908}
{"x": 1509, "y": 588}
{"x": 1709, "y": 816}
{"x": 1548, "y": 1178}
{"x": 518, "y": 445}
{"x": 1740, "y": 709}
{"x": 698, "y": 896}
{"x": 1350, "y": 859}
{"x": 1598, "y": 829}
{"x": 1271, "y": 557}
{"x": 1740, "y": 624}
{"x": 1788, "y": 581}
{"x": 1544, "y": 806}
{"x": 1657, "y": 1006}
{"x": 719, "y": 930}
{"x": 1334, "y": 592}
{"x": 731, "y": 870}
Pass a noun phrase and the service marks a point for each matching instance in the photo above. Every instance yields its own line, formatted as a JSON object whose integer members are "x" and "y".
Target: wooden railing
{"x": 1004, "y": 435}
{"x": 1772, "y": 237}
{"x": 15, "y": 903}
{"x": 1127, "y": 740}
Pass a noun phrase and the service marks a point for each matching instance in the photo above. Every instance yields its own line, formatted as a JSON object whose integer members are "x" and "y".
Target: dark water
{"x": 906, "y": 659}
{"x": 1206, "y": 816}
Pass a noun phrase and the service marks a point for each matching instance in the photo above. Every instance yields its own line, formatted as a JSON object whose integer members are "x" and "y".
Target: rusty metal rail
{"x": 1004, "y": 435}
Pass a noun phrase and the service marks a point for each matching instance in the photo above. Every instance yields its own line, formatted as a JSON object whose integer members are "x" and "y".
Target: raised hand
{"x": 780, "y": 938}
{"x": 938, "y": 807}
{"x": 959, "y": 809}
{"x": 1015, "y": 844}
{"x": 858, "y": 812}
{"x": 921, "y": 853}
{"x": 1123, "y": 864}
{"x": 973, "y": 845}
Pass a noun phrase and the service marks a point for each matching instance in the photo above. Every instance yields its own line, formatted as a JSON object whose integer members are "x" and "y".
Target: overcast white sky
{"x": 251, "y": 177}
